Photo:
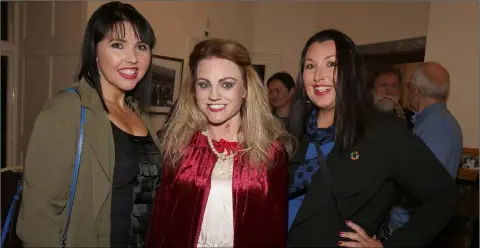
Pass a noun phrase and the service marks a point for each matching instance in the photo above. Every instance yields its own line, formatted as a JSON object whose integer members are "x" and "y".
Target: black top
{"x": 134, "y": 180}
{"x": 362, "y": 188}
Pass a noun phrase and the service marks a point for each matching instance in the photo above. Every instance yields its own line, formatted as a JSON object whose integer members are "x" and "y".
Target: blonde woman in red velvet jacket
{"x": 225, "y": 179}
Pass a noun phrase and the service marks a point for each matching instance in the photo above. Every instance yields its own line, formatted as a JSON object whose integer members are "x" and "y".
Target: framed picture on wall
{"x": 166, "y": 80}
{"x": 469, "y": 165}
{"x": 470, "y": 159}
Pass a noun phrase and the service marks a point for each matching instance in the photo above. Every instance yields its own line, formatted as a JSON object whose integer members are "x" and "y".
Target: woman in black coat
{"x": 351, "y": 158}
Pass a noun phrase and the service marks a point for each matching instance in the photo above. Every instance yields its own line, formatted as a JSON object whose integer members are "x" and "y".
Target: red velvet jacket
{"x": 260, "y": 200}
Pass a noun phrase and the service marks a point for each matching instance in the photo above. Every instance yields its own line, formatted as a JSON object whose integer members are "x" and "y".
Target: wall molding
{"x": 395, "y": 46}
{"x": 397, "y": 51}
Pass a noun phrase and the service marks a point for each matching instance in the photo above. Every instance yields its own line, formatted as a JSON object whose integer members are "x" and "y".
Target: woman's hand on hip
{"x": 359, "y": 238}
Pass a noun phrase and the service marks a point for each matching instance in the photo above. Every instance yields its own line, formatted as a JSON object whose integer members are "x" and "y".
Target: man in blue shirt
{"x": 434, "y": 124}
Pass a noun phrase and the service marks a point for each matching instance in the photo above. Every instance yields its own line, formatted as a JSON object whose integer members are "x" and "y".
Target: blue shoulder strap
{"x": 73, "y": 185}
{"x": 71, "y": 90}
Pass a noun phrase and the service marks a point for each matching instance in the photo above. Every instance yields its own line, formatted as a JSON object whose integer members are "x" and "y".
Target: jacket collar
{"x": 428, "y": 111}
{"x": 89, "y": 97}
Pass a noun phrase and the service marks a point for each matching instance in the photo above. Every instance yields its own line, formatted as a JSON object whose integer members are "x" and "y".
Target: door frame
{"x": 11, "y": 49}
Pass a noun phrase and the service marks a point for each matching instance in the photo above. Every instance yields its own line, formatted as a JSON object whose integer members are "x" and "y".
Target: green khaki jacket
{"x": 48, "y": 173}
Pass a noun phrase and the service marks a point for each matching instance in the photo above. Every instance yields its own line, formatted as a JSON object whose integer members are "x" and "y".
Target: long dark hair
{"x": 109, "y": 19}
{"x": 353, "y": 98}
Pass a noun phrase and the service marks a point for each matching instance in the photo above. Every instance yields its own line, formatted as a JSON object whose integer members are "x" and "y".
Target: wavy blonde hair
{"x": 259, "y": 129}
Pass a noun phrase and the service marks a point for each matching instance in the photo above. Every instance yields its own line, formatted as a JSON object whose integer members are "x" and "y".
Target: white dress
{"x": 217, "y": 225}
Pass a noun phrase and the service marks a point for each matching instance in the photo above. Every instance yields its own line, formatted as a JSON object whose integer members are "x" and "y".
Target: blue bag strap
{"x": 71, "y": 90}
{"x": 6, "y": 226}
{"x": 73, "y": 185}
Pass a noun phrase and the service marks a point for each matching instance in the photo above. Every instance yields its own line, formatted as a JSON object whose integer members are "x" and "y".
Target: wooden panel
{"x": 394, "y": 47}
{"x": 36, "y": 91}
{"x": 473, "y": 151}
{"x": 460, "y": 231}
{"x": 64, "y": 69}
{"x": 397, "y": 58}
{"x": 51, "y": 44}
{"x": 467, "y": 174}
{"x": 69, "y": 26}
{"x": 37, "y": 25}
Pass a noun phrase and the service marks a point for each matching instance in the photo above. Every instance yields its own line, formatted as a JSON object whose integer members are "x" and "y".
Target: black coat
{"x": 390, "y": 158}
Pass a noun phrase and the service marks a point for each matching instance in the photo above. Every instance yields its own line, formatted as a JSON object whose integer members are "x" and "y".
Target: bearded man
{"x": 387, "y": 84}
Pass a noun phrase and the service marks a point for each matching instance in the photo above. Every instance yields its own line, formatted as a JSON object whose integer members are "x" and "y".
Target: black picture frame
{"x": 167, "y": 75}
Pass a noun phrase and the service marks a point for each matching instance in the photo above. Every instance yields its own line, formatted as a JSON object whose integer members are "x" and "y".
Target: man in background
{"x": 434, "y": 124}
{"x": 387, "y": 83}
{"x": 281, "y": 87}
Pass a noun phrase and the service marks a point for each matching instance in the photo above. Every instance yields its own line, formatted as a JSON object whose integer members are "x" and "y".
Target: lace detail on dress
{"x": 217, "y": 225}
{"x": 223, "y": 169}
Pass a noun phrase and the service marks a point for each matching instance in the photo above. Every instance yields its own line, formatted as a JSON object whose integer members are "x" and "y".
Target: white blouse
{"x": 217, "y": 225}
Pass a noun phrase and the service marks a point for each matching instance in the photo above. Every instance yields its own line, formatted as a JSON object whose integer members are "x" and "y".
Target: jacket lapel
{"x": 98, "y": 134}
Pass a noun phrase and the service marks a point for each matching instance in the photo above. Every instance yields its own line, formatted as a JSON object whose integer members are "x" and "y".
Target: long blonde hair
{"x": 259, "y": 129}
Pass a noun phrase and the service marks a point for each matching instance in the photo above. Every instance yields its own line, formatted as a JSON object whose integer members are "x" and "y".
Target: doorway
{"x": 404, "y": 55}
